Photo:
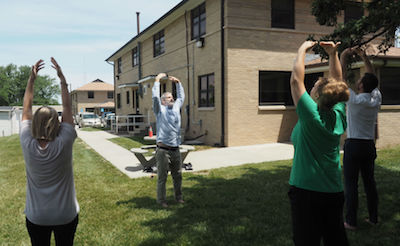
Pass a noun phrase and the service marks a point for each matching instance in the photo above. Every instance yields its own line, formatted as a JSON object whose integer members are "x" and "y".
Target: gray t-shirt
{"x": 50, "y": 188}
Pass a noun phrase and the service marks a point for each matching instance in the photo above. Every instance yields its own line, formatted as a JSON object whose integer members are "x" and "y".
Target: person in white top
{"x": 51, "y": 204}
{"x": 359, "y": 148}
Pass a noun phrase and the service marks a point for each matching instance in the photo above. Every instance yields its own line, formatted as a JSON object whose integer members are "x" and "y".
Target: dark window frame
{"x": 274, "y": 88}
{"x": 210, "y": 100}
{"x": 119, "y": 65}
{"x": 389, "y": 86}
{"x": 90, "y": 94}
{"x": 135, "y": 57}
{"x": 158, "y": 43}
{"x": 353, "y": 11}
{"x": 128, "y": 95}
{"x": 279, "y": 13}
{"x": 198, "y": 18}
{"x": 118, "y": 100}
{"x": 110, "y": 93}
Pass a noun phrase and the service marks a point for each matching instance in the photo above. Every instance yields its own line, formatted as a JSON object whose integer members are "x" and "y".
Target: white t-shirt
{"x": 362, "y": 110}
{"x": 50, "y": 188}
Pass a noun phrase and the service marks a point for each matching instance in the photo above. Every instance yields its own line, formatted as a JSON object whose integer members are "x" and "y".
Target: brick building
{"x": 234, "y": 59}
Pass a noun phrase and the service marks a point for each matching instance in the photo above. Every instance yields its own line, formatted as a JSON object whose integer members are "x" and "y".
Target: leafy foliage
{"x": 379, "y": 23}
{"x": 13, "y": 82}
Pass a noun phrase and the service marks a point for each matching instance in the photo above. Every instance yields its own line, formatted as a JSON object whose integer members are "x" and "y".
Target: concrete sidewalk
{"x": 127, "y": 163}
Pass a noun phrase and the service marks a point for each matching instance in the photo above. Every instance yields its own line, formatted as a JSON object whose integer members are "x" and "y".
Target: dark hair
{"x": 369, "y": 81}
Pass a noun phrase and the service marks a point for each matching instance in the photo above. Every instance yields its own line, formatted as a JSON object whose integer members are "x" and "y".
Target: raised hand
{"x": 307, "y": 45}
{"x": 329, "y": 46}
{"x": 160, "y": 75}
{"x": 36, "y": 68}
{"x": 174, "y": 79}
{"x": 57, "y": 68}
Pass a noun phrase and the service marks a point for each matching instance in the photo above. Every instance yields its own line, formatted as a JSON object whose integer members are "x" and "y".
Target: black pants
{"x": 63, "y": 234}
{"x": 359, "y": 156}
{"x": 316, "y": 216}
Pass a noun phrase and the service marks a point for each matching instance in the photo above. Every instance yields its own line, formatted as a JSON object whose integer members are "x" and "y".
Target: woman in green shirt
{"x": 316, "y": 192}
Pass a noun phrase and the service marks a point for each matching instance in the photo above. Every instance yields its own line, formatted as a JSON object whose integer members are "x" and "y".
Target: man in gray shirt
{"x": 168, "y": 118}
{"x": 359, "y": 148}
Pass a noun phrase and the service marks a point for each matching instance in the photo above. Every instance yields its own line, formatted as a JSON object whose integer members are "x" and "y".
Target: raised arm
{"x": 344, "y": 58}
{"x": 297, "y": 86}
{"x": 28, "y": 96}
{"x": 335, "y": 68}
{"x": 65, "y": 97}
{"x": 156, "y": 93}
{"x": 180, "y": 92}
{"x": 368, "y": 65}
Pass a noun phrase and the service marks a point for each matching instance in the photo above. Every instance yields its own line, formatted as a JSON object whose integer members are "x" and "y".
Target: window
{"x": 135, "y": 56}
{"x": 137, "y": 100}
{"x": 119, "y": 65}
{"x": 90, "y": 94}
{"x": 158, "y": 43}
{"x": 127, "y": 97}
{"x": 110, "y": 94}
{"x": 206, "y": 90}
{"x": 353, "y": 11}
{"x": 174, "y": 91}
{"x": 133, "y": 98}
{"x": 274, "y": 88}
{"x": 389, "y": 85}
{"x": 89, "y": 109}
{"x": 310, "y": 79}
{"x": 198, "y": 16}
{"x": 118, "y": 100}
{"x": 282, "y": 14}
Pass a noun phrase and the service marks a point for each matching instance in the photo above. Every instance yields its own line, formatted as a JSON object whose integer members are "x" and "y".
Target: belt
{"x": 166, "y": 147}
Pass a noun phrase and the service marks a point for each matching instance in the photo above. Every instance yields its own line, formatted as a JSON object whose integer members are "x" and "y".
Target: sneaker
{"x": 349, "y": 227}
{"x": 181, "y": 201}
{"x": 148, "y": 169}
{"x": 370, "y": 222}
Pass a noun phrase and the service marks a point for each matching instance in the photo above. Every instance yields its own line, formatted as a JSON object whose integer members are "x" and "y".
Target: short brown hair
{"x": 45, "y": 124}
{"x": 332, "y": 91}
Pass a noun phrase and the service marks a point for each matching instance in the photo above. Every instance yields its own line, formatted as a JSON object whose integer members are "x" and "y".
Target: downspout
{"x": 139, "y": 48}
{"x": 115, "y": 84}
{"x": 187, "y": 74}
{"x": 222, "y": 73}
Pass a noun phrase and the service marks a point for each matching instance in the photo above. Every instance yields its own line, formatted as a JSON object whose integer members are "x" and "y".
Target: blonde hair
{"x": 45, "y": 124}
{"x": 332, "y": 91}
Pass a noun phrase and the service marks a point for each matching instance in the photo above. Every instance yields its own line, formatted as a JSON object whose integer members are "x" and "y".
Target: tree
{"x": 13, "y": 82}
{"x": 381, "y": 19}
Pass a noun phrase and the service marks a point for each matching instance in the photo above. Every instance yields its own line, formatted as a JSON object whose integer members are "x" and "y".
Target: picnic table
{"x": 148, "y": 164}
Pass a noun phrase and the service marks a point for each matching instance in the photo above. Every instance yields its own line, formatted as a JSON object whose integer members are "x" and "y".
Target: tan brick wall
{"x": 202, "y": 61}
{"x": 389, "y": 127}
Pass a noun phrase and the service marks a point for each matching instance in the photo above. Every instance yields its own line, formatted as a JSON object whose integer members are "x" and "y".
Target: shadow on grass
{"x": 251, "y": 209}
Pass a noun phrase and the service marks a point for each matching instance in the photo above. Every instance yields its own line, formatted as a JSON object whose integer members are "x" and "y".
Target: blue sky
{"x": 79, "y": 34}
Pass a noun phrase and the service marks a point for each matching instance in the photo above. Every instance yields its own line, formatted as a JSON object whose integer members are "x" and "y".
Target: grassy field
{"x": 245, "y": 205}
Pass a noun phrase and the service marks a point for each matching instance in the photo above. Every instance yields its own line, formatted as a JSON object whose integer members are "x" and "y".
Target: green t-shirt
{"x": 316, "y": 140}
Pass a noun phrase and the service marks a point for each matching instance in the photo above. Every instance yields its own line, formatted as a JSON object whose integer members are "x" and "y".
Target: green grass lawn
{"x": 244, "y": 205}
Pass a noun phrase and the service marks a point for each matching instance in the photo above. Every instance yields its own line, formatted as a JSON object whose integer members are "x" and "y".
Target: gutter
{"x": 222, "y": 73}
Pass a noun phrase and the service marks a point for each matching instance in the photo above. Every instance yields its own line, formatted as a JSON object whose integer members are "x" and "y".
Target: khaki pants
{"x": 168, "y": 160}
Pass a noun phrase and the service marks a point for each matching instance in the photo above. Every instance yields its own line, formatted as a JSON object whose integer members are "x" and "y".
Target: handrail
{"x": 128, "y": 121}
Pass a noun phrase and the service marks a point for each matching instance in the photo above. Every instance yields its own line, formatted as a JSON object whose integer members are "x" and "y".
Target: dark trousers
{"x": 359, "y": 156}
{"x": 316, "y": 216}
{"x": 63, "y": 234}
